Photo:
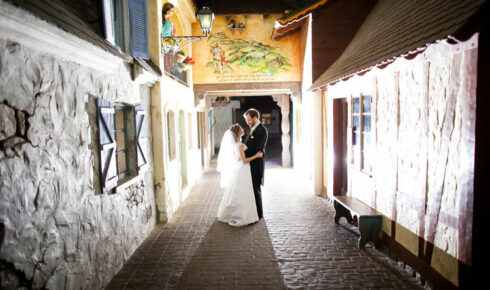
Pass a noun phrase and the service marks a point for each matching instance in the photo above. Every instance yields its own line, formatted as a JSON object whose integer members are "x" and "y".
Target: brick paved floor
{"x": 297, "y": 246}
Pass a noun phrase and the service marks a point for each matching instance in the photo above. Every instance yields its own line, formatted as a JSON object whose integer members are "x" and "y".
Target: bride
{"x": 238, "y": 205}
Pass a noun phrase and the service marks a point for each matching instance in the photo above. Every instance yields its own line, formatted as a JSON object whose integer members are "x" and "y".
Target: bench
{"x": 359, "y": 214}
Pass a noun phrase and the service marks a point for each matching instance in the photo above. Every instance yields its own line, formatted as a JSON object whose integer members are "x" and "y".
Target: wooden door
{"x": 340, "y": 115}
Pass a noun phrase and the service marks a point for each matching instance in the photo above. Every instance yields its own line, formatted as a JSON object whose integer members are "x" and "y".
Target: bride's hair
{"x": 235, "y": 129}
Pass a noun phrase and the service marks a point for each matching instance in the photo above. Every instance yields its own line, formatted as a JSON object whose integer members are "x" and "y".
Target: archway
{"x": 210, "y": 96}
{"x": 270, "y": 117}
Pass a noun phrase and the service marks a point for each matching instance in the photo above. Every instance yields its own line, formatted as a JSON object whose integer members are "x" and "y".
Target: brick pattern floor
{"x": 296, "y": 246}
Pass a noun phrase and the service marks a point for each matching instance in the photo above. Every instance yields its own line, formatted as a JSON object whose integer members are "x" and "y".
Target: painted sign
{"x": 240, "y": 49}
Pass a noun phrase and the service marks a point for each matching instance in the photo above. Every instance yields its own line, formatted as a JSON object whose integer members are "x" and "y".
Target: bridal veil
{"x": 228, "y": 157}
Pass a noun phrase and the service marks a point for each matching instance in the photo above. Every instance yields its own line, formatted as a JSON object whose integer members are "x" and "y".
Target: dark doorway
{"x": 340, "y": 115}
{"x": 270, "y": 118}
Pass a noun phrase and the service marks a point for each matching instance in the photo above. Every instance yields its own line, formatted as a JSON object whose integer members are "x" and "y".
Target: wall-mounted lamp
{"x": 172, "y": 44}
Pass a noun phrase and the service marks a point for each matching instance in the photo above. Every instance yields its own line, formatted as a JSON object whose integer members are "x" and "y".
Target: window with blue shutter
{"x": 123, "y": 143}
{"x": 139, "y": 28}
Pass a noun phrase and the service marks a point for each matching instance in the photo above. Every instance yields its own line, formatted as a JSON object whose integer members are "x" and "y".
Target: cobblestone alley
{"x": 296, "y": 246}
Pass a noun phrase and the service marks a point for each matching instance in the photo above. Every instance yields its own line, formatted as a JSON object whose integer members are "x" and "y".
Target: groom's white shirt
{"x": 254, "y": 127}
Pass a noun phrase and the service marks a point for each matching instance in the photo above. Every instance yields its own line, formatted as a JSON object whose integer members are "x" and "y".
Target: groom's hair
{"x": 252, "y": 113}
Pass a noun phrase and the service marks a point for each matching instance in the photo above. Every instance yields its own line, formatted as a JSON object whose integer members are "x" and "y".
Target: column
{"x": 283, "y": 102}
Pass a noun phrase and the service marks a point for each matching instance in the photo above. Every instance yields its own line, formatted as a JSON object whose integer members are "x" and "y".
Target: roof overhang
{"x": 398, "y": 30}
{"x": 292, "y": 23}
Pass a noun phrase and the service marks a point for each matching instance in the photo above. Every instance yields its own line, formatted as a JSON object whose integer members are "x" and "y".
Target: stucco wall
{"x": 224, "y": 119}
{"x": 420, "y": 107}
{"x": 59, "y": 233}
{"x": 170, "y": 189}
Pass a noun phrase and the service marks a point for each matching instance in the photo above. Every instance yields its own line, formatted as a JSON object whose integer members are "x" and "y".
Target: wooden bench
{"x": 359, "y": 214}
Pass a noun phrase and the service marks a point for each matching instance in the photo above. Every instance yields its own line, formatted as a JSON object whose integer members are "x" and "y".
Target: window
{"x": 190, "y": 140}
{"x": 122, "y": 142}
{"x": 119, "y": 10}
{"x": 121, "y": 139}
{"x": 126, "y": 26}
{"x": 266, "y": 119}
{"x": 201, "y": 134}
{"x": 171, "y": 135}
{"x": 361, "y": 132}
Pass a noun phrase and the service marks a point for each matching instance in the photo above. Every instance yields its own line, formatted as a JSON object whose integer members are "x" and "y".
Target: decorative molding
{"x": 20, "y": 26}
{"x": 250, "y": 89}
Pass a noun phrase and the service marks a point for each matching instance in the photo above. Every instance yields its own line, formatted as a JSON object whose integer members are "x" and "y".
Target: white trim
{"x": 23, "y": 27}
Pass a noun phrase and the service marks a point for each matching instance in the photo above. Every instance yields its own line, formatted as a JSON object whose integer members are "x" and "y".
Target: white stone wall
{"x": 411, "y": 143}
{"x": 386, "y": 143}
{"x": 58, "y": 232}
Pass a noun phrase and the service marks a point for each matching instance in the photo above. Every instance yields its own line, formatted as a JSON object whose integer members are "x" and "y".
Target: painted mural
{"x": 247, "y": 54}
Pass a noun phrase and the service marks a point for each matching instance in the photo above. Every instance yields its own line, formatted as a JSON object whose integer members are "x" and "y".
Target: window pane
{"x": 366, "y": 123}
{"x": 366, "y": 104}
{"x": 120, "y": 141}
{"x": 121, "y": 161}
{"x": 120, "y": 119}
{"x": 356, "y": 156}
{"x": 118, "y": 23}
{"x": 355, "y": 139}
{"x": 266, "y": 119}
{"x": 355, "y": 123}
{"x": 366, "y": 141}
{"x": 366, "y": 161}
{"x": 355, "y": 105}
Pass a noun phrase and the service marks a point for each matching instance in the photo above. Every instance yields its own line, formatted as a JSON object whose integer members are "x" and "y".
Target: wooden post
{"x": 283, "y": 102}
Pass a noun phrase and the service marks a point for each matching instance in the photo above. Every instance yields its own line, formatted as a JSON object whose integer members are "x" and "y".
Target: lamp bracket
{"x": 172, "y": 44}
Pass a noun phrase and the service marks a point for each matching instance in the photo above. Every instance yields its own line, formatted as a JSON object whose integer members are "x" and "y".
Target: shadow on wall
{"x": 11, "y": 277}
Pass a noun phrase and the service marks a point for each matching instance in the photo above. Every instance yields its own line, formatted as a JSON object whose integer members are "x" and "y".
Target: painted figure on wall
{"x": 167, "y": 25}
{"x": 219, "y": 59}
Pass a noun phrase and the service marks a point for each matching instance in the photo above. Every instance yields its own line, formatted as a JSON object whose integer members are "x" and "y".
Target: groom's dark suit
{"x": 256, "y": 142}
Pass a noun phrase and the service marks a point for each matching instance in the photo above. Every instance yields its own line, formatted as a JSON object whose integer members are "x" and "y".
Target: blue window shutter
{"x": 107, "y": 145}
{"x": 138, "y": 22}
{"x": 141, "y": 139}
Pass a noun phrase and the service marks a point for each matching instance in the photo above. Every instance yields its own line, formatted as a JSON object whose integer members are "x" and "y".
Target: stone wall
{"x": 57, "y": 232}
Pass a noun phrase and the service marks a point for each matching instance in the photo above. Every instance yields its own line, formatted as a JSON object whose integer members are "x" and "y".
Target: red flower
{"x": 188, "y": 61}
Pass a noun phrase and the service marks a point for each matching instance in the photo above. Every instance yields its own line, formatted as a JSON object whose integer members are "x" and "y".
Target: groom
{"x": 255, "y": 142}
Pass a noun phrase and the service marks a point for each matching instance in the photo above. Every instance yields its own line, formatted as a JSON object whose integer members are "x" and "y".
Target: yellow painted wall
{"x": 170, "y": 95}
{"x": 251, "y": 55}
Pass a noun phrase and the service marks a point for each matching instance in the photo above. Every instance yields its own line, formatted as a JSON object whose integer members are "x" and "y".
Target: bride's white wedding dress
{"x": 238, "y": 205}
